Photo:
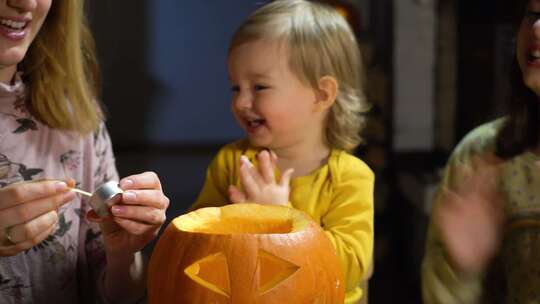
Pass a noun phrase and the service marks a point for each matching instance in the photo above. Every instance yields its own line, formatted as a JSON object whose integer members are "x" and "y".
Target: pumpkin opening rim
{"x": 237, "y": 219}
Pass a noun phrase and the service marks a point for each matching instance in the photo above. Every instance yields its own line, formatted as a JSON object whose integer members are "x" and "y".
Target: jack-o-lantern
{"x": 244, "y": 253}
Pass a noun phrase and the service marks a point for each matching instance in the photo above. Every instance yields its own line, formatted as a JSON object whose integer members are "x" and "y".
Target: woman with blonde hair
{"x": 53, "y": 247}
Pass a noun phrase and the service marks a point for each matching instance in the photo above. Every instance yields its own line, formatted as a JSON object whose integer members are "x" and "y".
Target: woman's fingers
{"x": 146, "y": 180}
{"x": 93, "y": 217}
{"x": 19, "y": 193}
{"x": 462, "y": 175}
{"x": 31, "y": 229}
{"x": 17, "y": 248}
{"x": 142, "y": 214}
{"x": 29, "y": 211}
{"x": 28, "y": 235}
{"x": 134, "y": 227}
{"x": 469, "y": 225}
{"x": 151, "y": 198}
{"x": 143, "y": 202}
{"x": 479, "y": 182}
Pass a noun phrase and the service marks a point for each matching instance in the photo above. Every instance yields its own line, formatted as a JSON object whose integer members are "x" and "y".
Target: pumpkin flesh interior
{"x": 242, "y": 219}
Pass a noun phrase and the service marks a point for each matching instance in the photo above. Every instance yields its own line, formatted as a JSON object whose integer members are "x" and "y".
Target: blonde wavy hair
{"x": 320, "y": 43}
{"x": 61, "y": 71}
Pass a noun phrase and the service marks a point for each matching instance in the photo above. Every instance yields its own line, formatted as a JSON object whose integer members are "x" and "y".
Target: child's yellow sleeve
{"x": 219, "y": 176}
{"x": 349, "y": 225}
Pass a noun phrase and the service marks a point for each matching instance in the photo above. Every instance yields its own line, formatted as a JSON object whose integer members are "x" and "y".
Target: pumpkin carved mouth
{"x": 212, "y": 272}
{"x": 244, "y": 254}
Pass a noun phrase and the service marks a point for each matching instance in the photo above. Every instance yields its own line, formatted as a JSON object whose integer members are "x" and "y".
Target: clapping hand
{"x": 259, "y": 184}
{"x": 470, "y": 218}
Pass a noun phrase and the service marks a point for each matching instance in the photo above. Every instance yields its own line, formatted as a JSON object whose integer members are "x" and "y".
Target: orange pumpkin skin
{"x": 245, "y": 253}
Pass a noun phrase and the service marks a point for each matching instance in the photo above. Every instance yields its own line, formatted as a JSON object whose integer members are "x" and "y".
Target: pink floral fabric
{"x": 68, "y": 266}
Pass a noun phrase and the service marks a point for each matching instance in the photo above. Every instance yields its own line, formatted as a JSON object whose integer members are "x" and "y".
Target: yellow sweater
{"x": 338, "y": 196}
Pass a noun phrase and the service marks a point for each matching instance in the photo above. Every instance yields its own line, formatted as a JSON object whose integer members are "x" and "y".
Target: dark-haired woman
{"x": 491, "y": 186}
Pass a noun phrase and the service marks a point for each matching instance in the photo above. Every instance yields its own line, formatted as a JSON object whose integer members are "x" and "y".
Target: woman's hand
{"x": 29, "y": 213}
{"x": 470, "y": 219}
{"x": 260, "y": 185}
{"x": 137, "y": 218}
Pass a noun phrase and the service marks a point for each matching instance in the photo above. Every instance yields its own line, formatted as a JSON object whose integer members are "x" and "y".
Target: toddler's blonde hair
{"x": 320, "y": 43}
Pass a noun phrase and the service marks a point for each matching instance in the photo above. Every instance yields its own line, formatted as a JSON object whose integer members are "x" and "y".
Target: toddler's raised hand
{"x": 260, "y": 184}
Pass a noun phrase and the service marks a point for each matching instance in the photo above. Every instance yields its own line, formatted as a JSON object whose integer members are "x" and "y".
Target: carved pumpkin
{"x": 244, "y": 253}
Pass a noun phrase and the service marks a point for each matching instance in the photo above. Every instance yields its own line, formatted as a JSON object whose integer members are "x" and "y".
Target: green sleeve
{"x": 441, "y": 283}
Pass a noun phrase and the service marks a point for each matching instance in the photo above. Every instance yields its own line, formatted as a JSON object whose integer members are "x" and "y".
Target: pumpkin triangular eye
{"x": 211, "y": 272}
{"x": 273, "y": 270}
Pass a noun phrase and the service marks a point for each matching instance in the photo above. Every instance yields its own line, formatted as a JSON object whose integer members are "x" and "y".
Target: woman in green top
{"x": 481, "y": 245}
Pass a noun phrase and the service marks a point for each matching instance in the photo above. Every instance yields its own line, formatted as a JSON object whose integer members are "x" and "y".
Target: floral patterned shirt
{"x": 68, "y": 266}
